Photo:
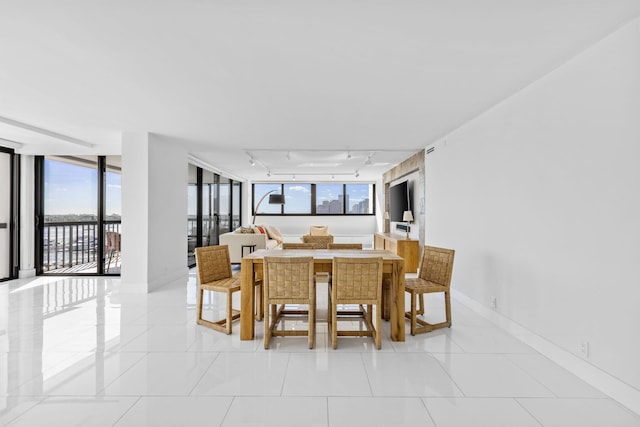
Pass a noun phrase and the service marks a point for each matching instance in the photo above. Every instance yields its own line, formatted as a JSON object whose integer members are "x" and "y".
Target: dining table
{"x": 252, "y": 270}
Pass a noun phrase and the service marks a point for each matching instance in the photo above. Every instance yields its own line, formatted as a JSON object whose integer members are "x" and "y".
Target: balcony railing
{"x": 69, "y": 245}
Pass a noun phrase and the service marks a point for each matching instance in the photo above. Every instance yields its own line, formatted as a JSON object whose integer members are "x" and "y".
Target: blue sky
{"x": 72, "y": 189}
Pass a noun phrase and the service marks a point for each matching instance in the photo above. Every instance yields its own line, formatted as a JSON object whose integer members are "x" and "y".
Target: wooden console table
{"x": 399, "y": 245}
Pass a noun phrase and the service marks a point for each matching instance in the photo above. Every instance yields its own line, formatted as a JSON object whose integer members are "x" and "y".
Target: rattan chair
{"x": 354, "y": 246}
{"x": 356, "y": 281}
{"x": 320, "y": 242}
{"x": 298, "y": 246}
{"x": 434, "y": 275}
{"x": 214, "y": 274}
{"x": 288, "y": 280}
{"x": 112, "y": 248}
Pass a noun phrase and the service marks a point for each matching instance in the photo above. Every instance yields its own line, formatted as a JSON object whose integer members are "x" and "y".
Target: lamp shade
{"x": 276, "y": 199}
{"x": 407, "y": 216}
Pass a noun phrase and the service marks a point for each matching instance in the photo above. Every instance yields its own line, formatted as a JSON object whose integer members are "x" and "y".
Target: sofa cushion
{"x": 319, "y": 230}
{"x": 274, "y": 233}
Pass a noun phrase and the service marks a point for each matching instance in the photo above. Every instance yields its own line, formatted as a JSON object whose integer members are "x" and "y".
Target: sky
{"x": 73, "y": 189}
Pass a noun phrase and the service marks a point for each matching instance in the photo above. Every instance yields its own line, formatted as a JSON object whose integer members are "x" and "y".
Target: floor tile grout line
{"x": 527, "y": 411}
{"x": 127, "y": 411}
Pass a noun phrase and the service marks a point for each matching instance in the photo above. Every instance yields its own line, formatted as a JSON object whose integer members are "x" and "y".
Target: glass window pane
{"x": 359, "y": 198}
{"x": 192, "y": 213}
{"x": 70, "y": 188}
{"x": 112, "y": 214}
{"x": 259, "y": 192}
{"x": 329, "y": 199}
{"x": 235, "y": 205}
{"x": 70, "y": 214}
{"x": 297, "y": 198}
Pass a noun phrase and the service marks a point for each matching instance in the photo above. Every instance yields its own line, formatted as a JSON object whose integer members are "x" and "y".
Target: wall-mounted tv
{"x": 399, "y": 201}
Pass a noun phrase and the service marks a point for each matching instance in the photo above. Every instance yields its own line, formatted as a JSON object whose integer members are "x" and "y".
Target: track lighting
{"x": 253, "y": 162}
{"x": 357, "y": 174}
{"x": 268, "y": 174}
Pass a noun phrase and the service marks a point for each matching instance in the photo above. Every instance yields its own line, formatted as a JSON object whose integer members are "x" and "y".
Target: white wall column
{"x": 154, "y": 211}
{"x": 27, "y": 214}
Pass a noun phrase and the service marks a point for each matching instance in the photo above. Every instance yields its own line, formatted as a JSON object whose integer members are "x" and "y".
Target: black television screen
{"x": 398, "y": 201}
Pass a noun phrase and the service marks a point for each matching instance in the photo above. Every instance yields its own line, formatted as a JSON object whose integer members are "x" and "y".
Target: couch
{"x": 263, "y": 237}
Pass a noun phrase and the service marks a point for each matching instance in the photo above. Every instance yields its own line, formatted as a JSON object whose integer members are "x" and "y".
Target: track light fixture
{"x": 253, "y": 162}
{"x": 357, "y": 174}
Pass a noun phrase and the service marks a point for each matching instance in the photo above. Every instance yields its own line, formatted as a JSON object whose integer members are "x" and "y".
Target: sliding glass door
{"x": 8, "y": 215}
{"x": 213, "y": 208}
{"x": 78, "y": 214}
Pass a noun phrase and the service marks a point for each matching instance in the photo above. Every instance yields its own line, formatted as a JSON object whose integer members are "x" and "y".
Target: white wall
{"x": 540, "y": 198}
{"x": 154, "y": 210}
{"x": 27, "y": 227}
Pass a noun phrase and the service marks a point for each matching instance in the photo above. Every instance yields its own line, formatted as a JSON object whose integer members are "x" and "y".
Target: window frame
{"x": 313, "y": 209}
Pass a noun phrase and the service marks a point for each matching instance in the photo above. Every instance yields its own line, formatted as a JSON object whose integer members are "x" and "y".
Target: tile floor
{"x": 79, "y": 352}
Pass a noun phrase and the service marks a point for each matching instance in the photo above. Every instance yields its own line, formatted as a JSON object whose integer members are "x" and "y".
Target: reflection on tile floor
{"x": 77, "y": 351}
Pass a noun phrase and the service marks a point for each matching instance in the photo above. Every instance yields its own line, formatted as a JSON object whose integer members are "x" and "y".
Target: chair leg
{"x": 267, "y": 327}
{"x": 447, "y": 307}
{"x": 259, "y": 305}
{"x": 312, "y": 324}
{"x": 333, "y": 329}
{"x": 414, "y": 314}
{"x": 378, "y": 335}
{"x": 199, "y": 307}
{"x": 229, "y": 312}
{"x": 421, "y": 305}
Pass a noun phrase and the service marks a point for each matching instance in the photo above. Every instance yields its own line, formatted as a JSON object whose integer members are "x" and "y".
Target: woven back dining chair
{"x": 214, "y": 274}
{"x": 320, "y": 242}
{"x": 288, "y": 280}
{"x": 356, "y": 281}
{"x": 436, "y": 267}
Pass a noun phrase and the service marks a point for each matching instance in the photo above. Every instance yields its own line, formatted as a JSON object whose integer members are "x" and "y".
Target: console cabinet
{"x": 401, "y": 246}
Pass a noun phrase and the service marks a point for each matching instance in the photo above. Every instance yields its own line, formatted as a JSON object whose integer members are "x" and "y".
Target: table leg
{"x": 247, "y": 296}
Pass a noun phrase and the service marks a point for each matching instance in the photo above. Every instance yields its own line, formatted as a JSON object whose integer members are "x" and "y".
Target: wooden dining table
{"x": 252, "y": 270}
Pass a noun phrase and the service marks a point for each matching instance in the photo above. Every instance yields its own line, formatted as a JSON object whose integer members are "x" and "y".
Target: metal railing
{"x": 69, "y": 244}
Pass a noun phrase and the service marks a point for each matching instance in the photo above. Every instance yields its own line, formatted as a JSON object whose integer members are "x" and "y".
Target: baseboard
{"x": 596, "y": 377}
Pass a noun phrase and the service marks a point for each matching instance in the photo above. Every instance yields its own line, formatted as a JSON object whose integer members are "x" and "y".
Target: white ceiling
{"x": 230, "y": 79}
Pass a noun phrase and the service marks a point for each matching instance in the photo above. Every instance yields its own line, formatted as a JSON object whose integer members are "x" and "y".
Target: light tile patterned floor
{"x": 77, "y": 351}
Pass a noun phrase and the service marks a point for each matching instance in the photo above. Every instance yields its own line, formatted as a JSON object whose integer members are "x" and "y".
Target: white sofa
{"x": 235, "y": 241}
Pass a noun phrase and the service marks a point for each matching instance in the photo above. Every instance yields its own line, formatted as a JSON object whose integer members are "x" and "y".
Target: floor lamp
{"x": 274, "y": 199}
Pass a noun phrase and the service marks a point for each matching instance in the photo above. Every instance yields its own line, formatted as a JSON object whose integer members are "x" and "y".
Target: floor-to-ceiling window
{"x": 78, "y": 214}
{"x": 214, "y": 208}
{"x": 8, "y": 214}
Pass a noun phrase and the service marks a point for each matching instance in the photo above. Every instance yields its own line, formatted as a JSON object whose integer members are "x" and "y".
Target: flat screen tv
{"x": 399, "y": 201}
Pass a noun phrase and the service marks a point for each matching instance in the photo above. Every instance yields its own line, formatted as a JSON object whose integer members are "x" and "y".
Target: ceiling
{"x": 297, "y": 85}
